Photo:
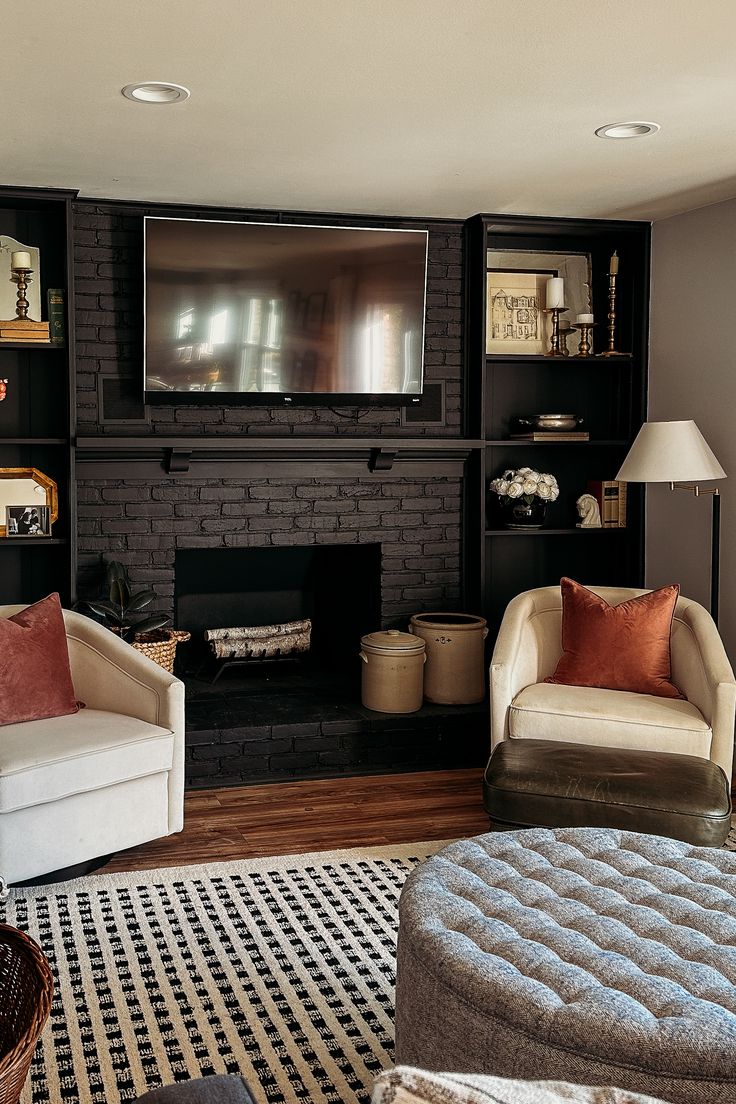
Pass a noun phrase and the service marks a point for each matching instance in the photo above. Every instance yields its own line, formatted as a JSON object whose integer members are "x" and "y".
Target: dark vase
{"x": 519, "y": 514}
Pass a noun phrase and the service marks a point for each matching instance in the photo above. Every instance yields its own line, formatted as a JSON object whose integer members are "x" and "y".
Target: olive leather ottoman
{"x": 551, "y": 784}
{"x": 581, "y": 954}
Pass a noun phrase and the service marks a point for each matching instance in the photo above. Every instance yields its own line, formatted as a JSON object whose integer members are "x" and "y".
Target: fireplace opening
{"x": 335, "y": 590}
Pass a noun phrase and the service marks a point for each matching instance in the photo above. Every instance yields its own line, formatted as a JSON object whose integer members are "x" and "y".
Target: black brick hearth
{"x": 293, "y": 724}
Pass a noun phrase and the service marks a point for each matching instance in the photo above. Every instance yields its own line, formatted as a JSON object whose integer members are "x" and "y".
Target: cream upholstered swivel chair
{"x": 523, "y": 706}
{"x": 108, "y": 777}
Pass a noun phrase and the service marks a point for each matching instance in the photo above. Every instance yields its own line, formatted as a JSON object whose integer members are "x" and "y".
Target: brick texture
{"x": 143, "y": 523}
{"x": 108, "y": 262}
{"x": 227, "y": 757}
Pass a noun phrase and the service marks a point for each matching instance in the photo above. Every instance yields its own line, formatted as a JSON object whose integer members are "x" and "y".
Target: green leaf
{"x": 148, "y": 624}
{"x": 104, "y": 609}
{"x": 140, "y": 600}
{"x": 120, "y": 593}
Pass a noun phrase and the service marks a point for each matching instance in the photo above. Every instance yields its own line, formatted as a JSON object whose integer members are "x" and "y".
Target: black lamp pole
{"x": 715, "y": 556}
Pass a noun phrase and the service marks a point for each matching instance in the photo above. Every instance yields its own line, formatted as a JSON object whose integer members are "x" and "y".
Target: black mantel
{"x": 115, "y": 457}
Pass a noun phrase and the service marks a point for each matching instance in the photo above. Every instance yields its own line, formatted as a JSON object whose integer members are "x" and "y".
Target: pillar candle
{"x": 20, "y": 260}
{"x": 613, "y": 267}
{"x": 586, "y": 319}
{"x": 555, "y": 292}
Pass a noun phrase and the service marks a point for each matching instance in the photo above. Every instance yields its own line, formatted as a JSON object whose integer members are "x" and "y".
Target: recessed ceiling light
{"x": 627, "y": 130}
{"x": 156, "y": 92}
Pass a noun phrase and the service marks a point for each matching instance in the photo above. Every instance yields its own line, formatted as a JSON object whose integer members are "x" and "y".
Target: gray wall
{"x": 693, "y": 375}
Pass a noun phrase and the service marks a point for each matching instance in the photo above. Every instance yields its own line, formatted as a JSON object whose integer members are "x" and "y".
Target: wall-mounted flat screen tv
{"x": 275, "y": 313}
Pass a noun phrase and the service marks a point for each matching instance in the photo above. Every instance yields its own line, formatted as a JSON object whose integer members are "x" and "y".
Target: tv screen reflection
{"x": 257, "y": 308}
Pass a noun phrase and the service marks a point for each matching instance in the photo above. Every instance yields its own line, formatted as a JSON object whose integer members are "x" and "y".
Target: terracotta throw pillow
{"x": 35, "y": 679}
{"x": 624, "y": 647}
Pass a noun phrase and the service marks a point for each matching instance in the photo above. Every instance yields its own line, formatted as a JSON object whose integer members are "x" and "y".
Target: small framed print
{"x": 27, "y": 521}
{"x": 515, "y": 319}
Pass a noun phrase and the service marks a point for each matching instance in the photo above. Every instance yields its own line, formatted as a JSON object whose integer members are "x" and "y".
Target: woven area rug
{"x": 279, "y": 969}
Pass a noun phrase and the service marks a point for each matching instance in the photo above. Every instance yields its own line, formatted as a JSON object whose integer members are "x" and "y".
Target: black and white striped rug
{"x": 279, "y": 969}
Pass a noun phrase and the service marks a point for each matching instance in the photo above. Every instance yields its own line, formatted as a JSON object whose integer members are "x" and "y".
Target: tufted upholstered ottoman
{"x": 581, "y": 954}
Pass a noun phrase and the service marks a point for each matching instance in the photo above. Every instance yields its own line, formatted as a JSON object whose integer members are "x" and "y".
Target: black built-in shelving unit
{"x": 610, "y": 393}
{"x": 37, "y": 417}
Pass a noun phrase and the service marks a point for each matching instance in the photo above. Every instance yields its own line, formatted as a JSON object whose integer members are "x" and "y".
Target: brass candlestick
{"x": 22, "y": 277}
{"x": 22, "y": 328}
{"x": 585, "y": 348}
{"x": 565, "y": 332}
{"x": 611, "y": 351}
{"x": 555, "y": 346}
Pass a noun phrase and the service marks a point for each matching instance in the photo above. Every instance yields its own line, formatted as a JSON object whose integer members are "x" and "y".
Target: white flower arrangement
{"x": 527, "y": 484}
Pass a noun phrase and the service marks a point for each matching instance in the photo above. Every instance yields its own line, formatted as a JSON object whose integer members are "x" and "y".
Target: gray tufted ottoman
{"x": 582, "y": 954}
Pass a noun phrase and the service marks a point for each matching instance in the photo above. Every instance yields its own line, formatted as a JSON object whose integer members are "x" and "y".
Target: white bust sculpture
{"x": 589, "y": 511}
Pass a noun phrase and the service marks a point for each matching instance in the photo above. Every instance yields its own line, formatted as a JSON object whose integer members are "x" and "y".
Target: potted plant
{"x": 123, "y": 614}
{"x": 523, "y": 496}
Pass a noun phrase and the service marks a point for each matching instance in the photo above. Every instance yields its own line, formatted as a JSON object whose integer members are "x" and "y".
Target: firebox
{"x": 336, "y": 588}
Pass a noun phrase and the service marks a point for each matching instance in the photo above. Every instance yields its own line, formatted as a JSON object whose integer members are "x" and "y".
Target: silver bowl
{"x": 550, "y": 421}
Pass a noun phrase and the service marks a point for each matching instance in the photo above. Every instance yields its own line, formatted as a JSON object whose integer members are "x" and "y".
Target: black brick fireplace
{"x": 156, "y": 484}
{"x": 402, "y": 540}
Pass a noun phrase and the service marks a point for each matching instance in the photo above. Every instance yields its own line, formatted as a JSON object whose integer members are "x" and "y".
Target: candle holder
{"x": 555, "y": 345}
{"x": 565, "y": 332}
{"x": 22, "y": 277}
{"x": 611, "y": 351}
{"x": 585, "y": 348}
{"x": 23, "y": 328}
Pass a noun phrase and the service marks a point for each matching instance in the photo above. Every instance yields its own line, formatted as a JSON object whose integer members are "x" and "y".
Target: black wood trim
{"x": 286, "y": 445}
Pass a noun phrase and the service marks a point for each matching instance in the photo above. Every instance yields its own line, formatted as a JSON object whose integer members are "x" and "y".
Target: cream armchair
{"x": 524, "y": 706}
{"x": 108, "y": 777}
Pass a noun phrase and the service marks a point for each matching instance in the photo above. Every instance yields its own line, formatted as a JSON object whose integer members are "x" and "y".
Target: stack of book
{"x": 24, "y": 329}
{"x": 610, "y": 494}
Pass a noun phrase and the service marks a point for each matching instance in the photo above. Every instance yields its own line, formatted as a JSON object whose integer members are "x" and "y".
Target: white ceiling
{"x": 408, "y": 107}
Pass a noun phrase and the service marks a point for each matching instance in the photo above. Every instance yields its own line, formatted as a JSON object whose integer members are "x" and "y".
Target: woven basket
{"x": 160, "y": 646}
{"x": 26, "y": 988}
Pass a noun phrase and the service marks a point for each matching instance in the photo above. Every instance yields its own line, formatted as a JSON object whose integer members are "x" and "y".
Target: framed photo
{"x": 27, "y": 521}
{"x": 516, "y": 298}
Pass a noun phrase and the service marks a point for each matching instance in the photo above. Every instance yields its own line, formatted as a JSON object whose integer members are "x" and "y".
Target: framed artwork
{"x": 514, "y": 304}
{"x": 28, "y": 521}
{"x": 516, "y": 297}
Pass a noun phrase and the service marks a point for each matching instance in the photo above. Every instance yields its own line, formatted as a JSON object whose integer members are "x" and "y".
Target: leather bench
{"x": 551, "y": 784}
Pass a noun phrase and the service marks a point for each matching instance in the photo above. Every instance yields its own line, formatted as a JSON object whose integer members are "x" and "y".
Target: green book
{"x": 57, "y": 315}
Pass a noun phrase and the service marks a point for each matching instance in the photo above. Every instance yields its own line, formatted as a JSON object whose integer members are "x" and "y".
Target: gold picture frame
{"x": 17, "y": 487}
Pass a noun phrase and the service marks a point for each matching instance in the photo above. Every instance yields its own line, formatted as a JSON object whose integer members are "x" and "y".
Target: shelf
{"x": 30, "y": 345}
{"x": 552, "y": 532}
{"x": 538, "y": 358}
{"x": 23, "y": 542}
{"x": 508, "y": 442}
{"x": 35, "y": 441}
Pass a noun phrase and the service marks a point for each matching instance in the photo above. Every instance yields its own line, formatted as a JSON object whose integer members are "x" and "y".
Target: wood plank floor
{"x": 293, "y": 817}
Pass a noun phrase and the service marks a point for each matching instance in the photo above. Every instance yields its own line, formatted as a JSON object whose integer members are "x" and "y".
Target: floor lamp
{"x": 678, "y": 454}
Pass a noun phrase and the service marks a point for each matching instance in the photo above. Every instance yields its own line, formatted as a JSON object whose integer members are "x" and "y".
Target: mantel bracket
{"x": 381, "y": 459}
{"x": 177, "y": 460}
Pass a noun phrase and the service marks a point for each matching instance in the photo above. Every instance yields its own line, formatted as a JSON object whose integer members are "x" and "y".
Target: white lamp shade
{"x": 670, "y": 452}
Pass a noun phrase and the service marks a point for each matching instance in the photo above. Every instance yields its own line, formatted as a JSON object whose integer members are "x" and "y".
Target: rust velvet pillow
{"x": 624, "y": 647}
{"x": 35, "y": 678}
